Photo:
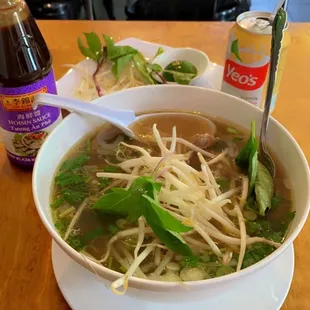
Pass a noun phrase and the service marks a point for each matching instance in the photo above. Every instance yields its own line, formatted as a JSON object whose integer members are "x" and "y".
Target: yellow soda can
{"x": 248, "y": 56}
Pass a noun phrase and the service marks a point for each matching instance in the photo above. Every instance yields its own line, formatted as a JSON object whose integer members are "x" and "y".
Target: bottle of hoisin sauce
{"x": 25, "y": 70}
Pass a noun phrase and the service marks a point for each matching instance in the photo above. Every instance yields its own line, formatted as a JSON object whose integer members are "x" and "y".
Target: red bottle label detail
{"x": 245, "y": 78}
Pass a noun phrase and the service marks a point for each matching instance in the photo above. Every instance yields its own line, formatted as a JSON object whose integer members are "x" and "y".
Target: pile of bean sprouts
{"x": 191, "y": 196}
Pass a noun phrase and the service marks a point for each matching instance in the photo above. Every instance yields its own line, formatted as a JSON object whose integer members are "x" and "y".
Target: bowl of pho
{"x": 186, "y": 207}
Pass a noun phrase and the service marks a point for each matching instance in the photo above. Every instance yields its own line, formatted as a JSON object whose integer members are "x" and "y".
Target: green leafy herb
{"x": 181, "y": 72}
{"x": 74, "y": 163}
{"x": 73, "y": 197}
{"x": 264, "y": 188}
{"x": 142, "y": 67}
{"x": 109, "y": 45}
{"x": 274, "y": 231}
{"x": 141, "y": 200}
{"x": 159, "y": 51}
{"x": 256, "y": 252}
{"x": 94, "y": 49}
{"x": 120, "y": 64}
{"x": 190, "y": 261}
{"x": 247, "y": 158}
{"x": 64, "y": 179}
{"x": 235, "y": 49}
{"x": 62, "y": 225}
{"x": 76, "y": 242}
{"x": 243, "y": 159}
{"x": 232, "y": 130}
{"x": 259, "y": 177}
{"x": 57, "y": 203}
{"x": 154, "y": 213}
{"x": 120, "y": 202}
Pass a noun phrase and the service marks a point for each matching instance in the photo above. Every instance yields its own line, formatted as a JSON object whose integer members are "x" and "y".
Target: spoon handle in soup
{"x": 119, "y": 118}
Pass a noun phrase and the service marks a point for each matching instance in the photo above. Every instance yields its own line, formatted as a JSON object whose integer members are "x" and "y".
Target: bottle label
{"x": 22, "y": 128}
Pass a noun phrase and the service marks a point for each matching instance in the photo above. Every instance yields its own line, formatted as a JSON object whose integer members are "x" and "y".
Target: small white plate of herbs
{"x": 111, "y": 67}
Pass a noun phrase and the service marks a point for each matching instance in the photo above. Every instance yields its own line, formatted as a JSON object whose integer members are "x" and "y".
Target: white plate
{"x": 265, "y": 290}
{"x": 66, "y": 85}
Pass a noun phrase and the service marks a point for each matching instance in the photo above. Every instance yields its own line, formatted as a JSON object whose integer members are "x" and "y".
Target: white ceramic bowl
{"x": 198, "y": 58}
{"x": 173, "y": 97}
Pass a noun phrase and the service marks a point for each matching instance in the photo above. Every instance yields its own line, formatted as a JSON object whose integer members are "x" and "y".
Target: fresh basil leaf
{"x": 86, "y": 51}
{"x": 243, "y": 159}
{"x": 120, "y": 202}
{"x": 74, "y": 163}
{"x": 253, "y": 166}
{"x": 142, "y": 182}
{"x": 171, "y": 241}
{"x": 109, "y": 45}
{"x": 120, "y": 64}
{"x": 121, "y": 51}
{"x": 160, "y": 217}
{"x": 93, "y": 42}
{"x": 159, "y": 51}
{"x": 264, "y": 189}
{"x": 141, "y": 66}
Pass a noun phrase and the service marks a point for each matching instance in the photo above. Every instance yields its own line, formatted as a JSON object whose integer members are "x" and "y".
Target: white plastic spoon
{"x": 119, "y": 118}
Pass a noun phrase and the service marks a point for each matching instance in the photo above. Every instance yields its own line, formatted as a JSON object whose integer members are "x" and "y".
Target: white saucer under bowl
{"x": 265, "y": 290}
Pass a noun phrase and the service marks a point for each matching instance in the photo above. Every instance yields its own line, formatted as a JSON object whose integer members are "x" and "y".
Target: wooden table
{"x": 27, "y": 280}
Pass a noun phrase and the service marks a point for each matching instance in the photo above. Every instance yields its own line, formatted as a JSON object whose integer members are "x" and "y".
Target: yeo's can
{"x": 248, "y": 56}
